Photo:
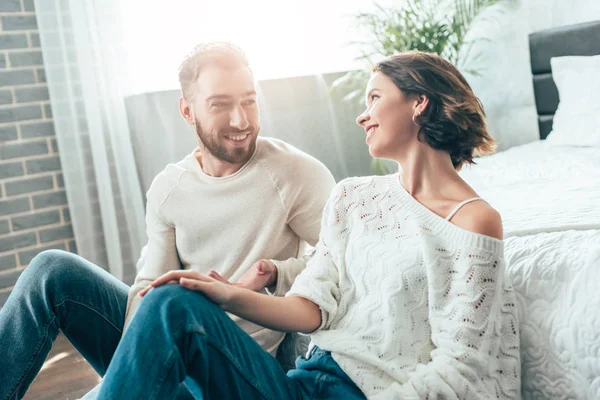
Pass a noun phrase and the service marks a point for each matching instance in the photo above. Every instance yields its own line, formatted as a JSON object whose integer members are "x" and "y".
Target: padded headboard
{"x": 572, "y": 40}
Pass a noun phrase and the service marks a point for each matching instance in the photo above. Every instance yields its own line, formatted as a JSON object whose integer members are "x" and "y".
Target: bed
{"x": 548, "y": 193}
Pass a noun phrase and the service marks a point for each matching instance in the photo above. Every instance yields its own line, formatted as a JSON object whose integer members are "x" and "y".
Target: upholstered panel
{"x": 546, "y": 94}
{"x": 572, "y": 40}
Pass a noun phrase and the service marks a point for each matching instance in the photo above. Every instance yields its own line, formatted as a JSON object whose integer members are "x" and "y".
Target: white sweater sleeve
{"x": 319, "y": 282}
{"x": 288, "y": 270}
{"x": 464, "y": 314}
{"x": 161, "y": 251}
{"x": 303, "y": 198}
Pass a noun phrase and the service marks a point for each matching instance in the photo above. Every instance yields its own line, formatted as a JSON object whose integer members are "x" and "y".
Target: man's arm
{"x": 160, "y": 255}
{"x": 304, "y": 202}
{"x": 310, "y": 305}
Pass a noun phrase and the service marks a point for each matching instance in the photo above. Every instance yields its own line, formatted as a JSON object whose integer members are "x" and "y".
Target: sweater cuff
{"x": 324, "y": 313}
{"x": 287, "y": 271}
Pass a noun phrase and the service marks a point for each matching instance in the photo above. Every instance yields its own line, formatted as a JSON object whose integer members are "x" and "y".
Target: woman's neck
{"x": 425, "y": 172}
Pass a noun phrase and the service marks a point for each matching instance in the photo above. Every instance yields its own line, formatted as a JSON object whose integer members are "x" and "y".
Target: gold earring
{"x": 413, "y": 119}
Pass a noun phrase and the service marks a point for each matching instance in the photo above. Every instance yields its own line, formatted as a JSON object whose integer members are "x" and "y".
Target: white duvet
{"x": 549, "y": 199}
{"x": 539, "y": 187}
{"x": 557, "y": 279}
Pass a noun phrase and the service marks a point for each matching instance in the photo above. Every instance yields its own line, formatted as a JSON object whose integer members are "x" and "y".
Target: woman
{"x": 405, "y": 296}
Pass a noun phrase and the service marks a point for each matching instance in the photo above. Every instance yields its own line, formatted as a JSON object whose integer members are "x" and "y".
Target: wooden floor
{"x": 65, "y": 375}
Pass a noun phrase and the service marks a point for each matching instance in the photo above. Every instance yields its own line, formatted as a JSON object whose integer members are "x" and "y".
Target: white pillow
{"x": 577, "y": 119}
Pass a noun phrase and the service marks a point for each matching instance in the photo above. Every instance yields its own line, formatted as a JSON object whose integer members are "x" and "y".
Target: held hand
{"x": 215, "y": 290}
{"x": 170, "y": 277}
{"x": 261, "y": 274}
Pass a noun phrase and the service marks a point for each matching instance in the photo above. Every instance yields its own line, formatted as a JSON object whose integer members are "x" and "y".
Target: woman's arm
{"x": 286, "y": 314}
{"x": 474, "y": 326}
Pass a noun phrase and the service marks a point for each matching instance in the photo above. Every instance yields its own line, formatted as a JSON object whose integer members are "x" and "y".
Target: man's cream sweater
{"x": 269, "y": 209}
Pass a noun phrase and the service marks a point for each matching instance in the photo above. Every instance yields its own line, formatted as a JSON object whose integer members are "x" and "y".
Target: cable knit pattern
{"x": 412, "y": 305}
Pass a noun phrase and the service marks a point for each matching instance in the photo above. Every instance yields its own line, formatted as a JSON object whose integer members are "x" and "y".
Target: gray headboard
{"x": 572, "y": 40}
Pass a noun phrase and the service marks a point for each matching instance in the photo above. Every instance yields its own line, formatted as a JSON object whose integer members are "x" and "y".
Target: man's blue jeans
{"x": 60, "y": 291}
{"x": 179, "y": 333}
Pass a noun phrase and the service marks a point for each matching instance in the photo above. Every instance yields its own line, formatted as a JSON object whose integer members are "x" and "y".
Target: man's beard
{"x": 237, "y": 155}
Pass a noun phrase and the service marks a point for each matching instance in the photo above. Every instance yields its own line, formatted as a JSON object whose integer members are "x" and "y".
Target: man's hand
{"x": 261, "y": 274}
{"x": 215, "y": 290}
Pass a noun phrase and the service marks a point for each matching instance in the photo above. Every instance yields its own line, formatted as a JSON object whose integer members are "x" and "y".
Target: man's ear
{"x": 185, "y": 108}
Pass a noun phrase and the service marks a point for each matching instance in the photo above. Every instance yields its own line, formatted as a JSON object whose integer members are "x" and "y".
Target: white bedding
{"x": 534, "y": 161}
{"x": 557, "y": 280}
{"x": 549, "y": 199}
{"x": 538, "y": 187}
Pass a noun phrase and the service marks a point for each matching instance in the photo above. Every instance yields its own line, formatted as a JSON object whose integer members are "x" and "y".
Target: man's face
{"x": 226, "y": 113}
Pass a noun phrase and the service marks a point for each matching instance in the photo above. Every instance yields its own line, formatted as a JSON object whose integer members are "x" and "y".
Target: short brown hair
{"x": 454, "y": 119}
{"x": 224, "y": 54}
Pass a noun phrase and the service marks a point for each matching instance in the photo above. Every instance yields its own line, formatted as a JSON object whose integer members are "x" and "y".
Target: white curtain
{"x": 81, "y": 43}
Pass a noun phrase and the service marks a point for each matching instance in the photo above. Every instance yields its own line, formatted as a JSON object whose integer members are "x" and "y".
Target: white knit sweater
{"x": 412, "y": 305}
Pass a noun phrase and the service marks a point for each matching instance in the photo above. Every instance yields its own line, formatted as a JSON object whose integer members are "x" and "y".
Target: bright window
{"x": 281, "y": 37}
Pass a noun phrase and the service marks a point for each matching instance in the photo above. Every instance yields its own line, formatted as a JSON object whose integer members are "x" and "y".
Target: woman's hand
{"x": 286, "y": 314}
{"x": 218, "y": 292}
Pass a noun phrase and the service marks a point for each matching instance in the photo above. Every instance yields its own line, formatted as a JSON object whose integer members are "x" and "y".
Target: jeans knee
{"x": 173, "y": 302}
{"x": 45, "y": 274}
{"x": 50, "y": 264}
{"x": 53, "y": 269}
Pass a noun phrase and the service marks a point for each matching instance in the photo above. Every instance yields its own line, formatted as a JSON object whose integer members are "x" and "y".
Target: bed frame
{"x": 572, "y": 40}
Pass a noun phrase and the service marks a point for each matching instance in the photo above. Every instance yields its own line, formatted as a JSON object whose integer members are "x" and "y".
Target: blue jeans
{"x": 178, "y": 333}
{"x": 60, "y": 291}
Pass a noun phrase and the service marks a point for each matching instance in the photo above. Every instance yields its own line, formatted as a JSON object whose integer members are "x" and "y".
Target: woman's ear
{"x": 421, "y": 104}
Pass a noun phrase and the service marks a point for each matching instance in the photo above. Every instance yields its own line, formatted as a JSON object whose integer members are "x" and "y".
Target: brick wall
{"x": 33, "y": 208}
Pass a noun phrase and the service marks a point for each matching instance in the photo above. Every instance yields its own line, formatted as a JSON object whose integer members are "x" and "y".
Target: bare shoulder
{"x": 479, "y": 217}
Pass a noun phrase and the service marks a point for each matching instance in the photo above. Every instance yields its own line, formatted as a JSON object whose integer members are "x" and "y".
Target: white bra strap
{"x": 459, "y": 206}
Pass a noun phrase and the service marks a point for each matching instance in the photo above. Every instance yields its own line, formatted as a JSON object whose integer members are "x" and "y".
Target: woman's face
{"x": 388, "y": 119}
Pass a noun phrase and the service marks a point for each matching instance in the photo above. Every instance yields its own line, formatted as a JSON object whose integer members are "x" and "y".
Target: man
{"x": 235, "y": 199}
